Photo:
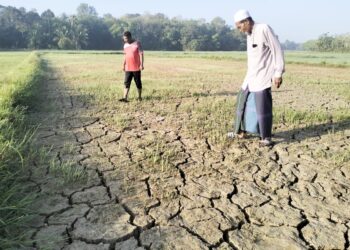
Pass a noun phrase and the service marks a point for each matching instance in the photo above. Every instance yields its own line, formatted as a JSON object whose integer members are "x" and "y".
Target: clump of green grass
{"x": 68, "y": 172}
{"x": 295, "y": 117}
{"x": 336, "y": 158}
{"x": 120, "y": 121}
{"x": 341, "y": 158}
{"x": 161, "y": 156}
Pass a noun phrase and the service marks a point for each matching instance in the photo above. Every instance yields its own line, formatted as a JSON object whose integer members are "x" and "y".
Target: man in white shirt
{"x": 265, "y": 66}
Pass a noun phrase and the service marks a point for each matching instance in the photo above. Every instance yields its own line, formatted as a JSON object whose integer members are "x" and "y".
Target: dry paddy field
{"x": 161, "y": 174}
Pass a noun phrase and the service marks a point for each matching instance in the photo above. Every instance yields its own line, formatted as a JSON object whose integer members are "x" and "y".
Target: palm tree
{"x": 79, "y": 34}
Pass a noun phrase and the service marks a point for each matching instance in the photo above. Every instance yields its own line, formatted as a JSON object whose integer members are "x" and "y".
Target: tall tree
{"x": 48, "y": 27}
{"x": 78, "y": 33}
{"x": 84, "y": 10}
{"x": 13, "y": 28}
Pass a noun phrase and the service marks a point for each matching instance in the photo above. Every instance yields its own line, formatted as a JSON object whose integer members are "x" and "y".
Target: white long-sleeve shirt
{"x": 265, "y": 58}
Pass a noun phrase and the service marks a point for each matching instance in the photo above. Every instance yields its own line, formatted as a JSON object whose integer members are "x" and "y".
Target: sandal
{"x": 123, "y": 100}
{"x": 267, "y": 142}
{"x": 240, "y": 135}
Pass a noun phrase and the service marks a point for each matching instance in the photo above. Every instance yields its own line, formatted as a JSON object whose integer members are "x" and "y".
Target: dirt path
{"x": 287, "y": 197}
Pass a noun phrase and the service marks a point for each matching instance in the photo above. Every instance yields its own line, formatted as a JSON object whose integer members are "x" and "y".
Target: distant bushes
{"x": 327, "y": 43}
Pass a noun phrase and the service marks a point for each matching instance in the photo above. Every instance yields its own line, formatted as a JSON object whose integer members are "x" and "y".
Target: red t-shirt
{"x": 132, "y": 52}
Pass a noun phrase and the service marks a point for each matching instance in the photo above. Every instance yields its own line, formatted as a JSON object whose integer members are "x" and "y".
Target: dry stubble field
{"x": 160, "y": 174}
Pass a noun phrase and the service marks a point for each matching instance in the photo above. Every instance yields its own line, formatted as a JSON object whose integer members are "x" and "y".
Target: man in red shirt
{"x": 132, "y": 65}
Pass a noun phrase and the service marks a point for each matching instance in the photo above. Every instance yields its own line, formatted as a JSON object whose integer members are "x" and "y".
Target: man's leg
{"x": 263, "y": 101}
{"x": 238, "y": 125}
{"x": 127, "y": 82}
{"x": 126, "y": 93}
{"x": 138, "y": 82}
{"x": 242, "y": 97}
{"x": 139, "y": 91}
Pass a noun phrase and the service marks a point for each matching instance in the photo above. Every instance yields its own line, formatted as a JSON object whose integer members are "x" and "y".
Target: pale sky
{"x": 295, "y": 20}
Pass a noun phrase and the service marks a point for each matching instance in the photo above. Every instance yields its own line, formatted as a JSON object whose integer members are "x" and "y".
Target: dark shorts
{"x": 129, "y": 75}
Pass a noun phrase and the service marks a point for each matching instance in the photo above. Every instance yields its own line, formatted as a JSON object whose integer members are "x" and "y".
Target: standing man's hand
{"x": 141, "y": 67}
{"x": 278, "y": 81}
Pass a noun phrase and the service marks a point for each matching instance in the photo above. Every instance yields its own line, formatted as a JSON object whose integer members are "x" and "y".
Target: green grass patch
{"x": 308, "y": 118}
{"x": 327, "y": 59}
{"x": 338, "y": 158}
{"x": 9, "y": 62}
{"x": 211, "y": 119}
{"x": 17, "y": 88}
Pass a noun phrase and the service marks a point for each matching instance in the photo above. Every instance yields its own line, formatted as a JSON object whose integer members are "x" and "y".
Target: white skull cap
{"x": 241, "y": 15}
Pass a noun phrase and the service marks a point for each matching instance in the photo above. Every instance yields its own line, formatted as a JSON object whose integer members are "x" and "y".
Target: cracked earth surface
{"x": 243, "y": 197}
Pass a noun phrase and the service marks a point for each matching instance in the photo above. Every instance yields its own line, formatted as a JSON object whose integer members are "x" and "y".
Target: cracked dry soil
{"x": 243, "y": 197}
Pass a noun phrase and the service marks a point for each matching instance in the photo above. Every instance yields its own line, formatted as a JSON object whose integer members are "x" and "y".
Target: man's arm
{"x": 277, "y": 54}
{"x": 141, "y": 60}
{"x": 140, "y": 54}
{"x": 245, "y": 81}
{"x": 124, "y": 63}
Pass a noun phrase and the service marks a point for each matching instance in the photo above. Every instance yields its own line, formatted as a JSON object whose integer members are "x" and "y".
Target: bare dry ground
{"x": 160, "y": 174}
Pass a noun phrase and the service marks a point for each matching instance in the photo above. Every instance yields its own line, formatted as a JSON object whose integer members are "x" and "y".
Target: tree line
{"x": 21, "y": 29}
{"x": 86, "y": 30}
